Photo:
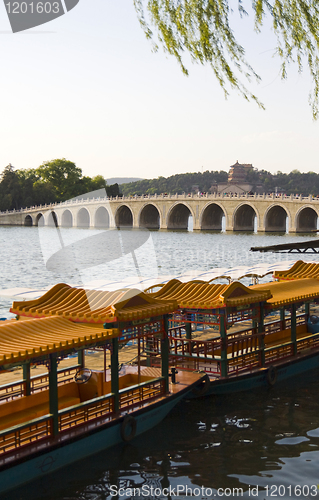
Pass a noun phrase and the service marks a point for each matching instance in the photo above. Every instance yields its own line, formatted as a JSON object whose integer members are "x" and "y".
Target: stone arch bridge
{"x": 211, "y": 212}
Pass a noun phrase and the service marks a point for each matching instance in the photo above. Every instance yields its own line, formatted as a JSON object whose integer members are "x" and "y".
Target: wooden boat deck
{"x": 32, "y": 433}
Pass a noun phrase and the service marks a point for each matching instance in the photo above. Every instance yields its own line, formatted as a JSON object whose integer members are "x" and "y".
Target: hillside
{"x": 294, "y": 182}
{"x": 178, "y": 183}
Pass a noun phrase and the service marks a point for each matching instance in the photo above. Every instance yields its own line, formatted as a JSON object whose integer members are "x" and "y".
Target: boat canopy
{"x": 201, "y": 295}
{"x": 290, "y": 292}
{"x": 94, "y": 306}
{"x": 21, "y": 341}
{"x": 299, "y": 270}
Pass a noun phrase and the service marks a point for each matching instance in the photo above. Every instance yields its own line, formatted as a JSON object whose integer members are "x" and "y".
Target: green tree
{"x": 26, "y": 179}
{"x": 64, "y": 177}
{"x": 87, "y": 184}
{"x": 202, "y": 28}
{"x": 113, "y": 190}
{"x": 10, "y": 190}
{"x": 42, "y": 193}
{"x": 54, "y": 181}
{"x": 178, "y": 183}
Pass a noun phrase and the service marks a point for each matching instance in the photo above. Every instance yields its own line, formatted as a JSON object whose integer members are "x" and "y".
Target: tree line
{"x": 178, "y": 183}
{"x": 61, "y": 180}
{"x": 52, "y": 182}
{"x": 294, "y": 182}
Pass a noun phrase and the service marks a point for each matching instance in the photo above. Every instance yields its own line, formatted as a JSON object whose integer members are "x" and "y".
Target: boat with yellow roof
{"x": 241, "y": 337}
{"x": 244, "y": 337}
{"x": 51, "y": 420}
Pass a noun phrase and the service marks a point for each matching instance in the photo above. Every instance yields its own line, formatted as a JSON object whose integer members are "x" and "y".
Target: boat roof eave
{"x": 285, "y": 293}
{"x": 34, "y": 341}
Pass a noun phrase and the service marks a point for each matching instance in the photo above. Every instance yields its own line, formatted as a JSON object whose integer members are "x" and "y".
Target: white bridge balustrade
{"x": 209, "y": 212}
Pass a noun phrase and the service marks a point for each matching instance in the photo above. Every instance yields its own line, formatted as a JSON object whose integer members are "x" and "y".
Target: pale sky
{"x": 87, "y": 87}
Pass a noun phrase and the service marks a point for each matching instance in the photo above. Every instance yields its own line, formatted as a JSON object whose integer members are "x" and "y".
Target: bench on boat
{"x": 249, "y": 345}
{"x": 272, "y": 341}
{"x": 25, "y": 408}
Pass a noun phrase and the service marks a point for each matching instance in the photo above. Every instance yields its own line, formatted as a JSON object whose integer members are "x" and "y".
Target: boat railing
{"x": 244, "y": 350}
{"x": 37, "y": 383}
{"x": 177, "y": 340}
{"x": 102, "y": 406}
{"x": 286, "y": 349}
{"x": 277, "y": 326}
{"x": 196, "y": 363}
{"x": 136, "y": 395}
{"x": 11, "y": 390}
{"x": 309, "y": 342}
{"x": 65, "y": 375}
{"x": 191, "y": 347}
{"x": 274, "y": 353}
{"x": 177, "y": 331}
{"x": 247, "y": 332}
{"x": 25, "y": 434}
{"x": 82, "y": 413}
{"x": 190, "y": 354}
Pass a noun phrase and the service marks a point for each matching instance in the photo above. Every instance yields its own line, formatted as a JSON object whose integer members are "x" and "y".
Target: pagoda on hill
{"x": 237, "y": 180}
{"x": 238, "y": 173}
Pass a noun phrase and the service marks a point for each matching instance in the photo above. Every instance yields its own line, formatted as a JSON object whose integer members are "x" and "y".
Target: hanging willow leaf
{"x": 201, "y": 28}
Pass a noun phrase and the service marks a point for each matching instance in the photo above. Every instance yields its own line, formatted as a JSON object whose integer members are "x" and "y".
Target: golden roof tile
{"x": 93, "y": 306}
{"x": 299, "y": 270}
{"x": 289, "y": 292}
{"x": 23, "y": 340}
{"x": 194, "y": 295}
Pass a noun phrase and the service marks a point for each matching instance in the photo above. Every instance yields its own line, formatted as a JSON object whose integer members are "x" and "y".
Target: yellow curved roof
{"x": 289, "y": 292}
{"x": 93, "y": 306}
{"x": 201, "y": 295}
{"x": 299, "y": 270}
{"x": 23, "y": 340}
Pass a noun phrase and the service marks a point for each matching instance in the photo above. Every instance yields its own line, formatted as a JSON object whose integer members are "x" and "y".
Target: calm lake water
{"x": 259, "y": 444}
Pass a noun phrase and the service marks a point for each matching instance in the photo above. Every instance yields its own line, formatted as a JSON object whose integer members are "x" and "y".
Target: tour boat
{"x": 241, "y": 337}
{"x": 68, "y": 413}
{"x": 244, "y": 337}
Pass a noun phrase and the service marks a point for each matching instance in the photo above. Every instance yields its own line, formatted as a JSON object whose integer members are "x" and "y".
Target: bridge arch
{"x": 149, "y": 216}
{"x": 102, "y": 218}
{"x": 52, "y": 219}
{"x": 123, "y": 216}
{"x": 178, "y": 216}
{"x": 28, "y": 221}
{"x": 67, "y": 218}
{"x": 244, "y": 217}
{"x": 83, "y": 218}
{"x": 275, "y": 219}
{"x": 39, "y": 220}
{"x": 306, "y": 219}
{"x": 211, "y": 217}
